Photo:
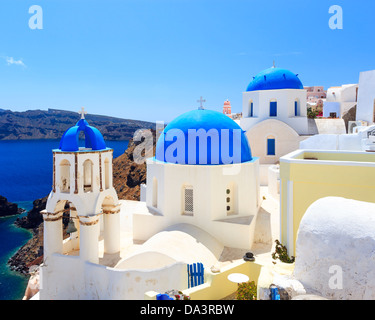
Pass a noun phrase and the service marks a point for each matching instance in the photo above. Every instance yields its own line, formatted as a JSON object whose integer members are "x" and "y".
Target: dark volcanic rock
{"x": 8, "y": 208}
{"x": 32, "y": 252}
{"x": 34, "y": 218}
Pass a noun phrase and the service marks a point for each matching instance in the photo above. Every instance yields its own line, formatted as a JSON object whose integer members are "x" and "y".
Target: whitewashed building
{"x": 202, "y": 195}
{"x": 194, "y": 180}
{"x": 366, "y": 97}
{"x": 82, "y": 192}
{"x": 340, "y": 100}
{"x": 274, "y": 116}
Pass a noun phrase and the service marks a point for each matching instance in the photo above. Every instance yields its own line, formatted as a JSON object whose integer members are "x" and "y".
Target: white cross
{"x": 201, "y": 102}
{"x": 82, "y": 113}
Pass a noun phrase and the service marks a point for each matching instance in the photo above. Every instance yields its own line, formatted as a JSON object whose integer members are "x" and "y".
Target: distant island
{"x": 52, "y": 123}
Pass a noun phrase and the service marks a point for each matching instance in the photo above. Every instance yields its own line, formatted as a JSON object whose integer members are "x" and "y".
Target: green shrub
{"x": 281, "y": 253}
{"x": 246, "y": 291}
{"x": 311, "y": 114}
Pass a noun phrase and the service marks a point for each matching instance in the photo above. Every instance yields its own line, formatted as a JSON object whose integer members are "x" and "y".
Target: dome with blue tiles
{"x": 274, "y": 79}
{"x": 203, "y": 137}
{"x": 93, "y": 138}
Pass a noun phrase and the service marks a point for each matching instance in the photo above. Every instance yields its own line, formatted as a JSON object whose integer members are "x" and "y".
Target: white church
{"x": 202, "y": 197}
{"x": 274, "y": 114}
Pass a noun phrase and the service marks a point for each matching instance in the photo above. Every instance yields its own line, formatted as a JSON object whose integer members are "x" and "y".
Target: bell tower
{"x": 83, "y": 195}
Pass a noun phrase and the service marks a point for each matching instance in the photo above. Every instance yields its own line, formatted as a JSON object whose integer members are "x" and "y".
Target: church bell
{"x": 71, "y": 227}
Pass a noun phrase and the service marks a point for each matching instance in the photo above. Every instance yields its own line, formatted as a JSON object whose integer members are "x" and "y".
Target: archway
{"x": 87, "y": 176}
{"x": 65, "y": 176}
{"x": 106, "y": 173}
{"x": 69, "y": 222}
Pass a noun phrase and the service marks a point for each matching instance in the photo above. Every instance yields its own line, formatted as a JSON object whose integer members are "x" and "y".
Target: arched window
{"x": 273, "y": 108}
{"x": 155, "y": 192}
{"x": 87, "y": 176}
{"x": 271, "y": 146}
{"x": 296, "y": 108}
{"x": 65, "y": 176}
{"x": 106, "y": 173}
{"x": 188, "y": 200}
{"x": 251, "y": 108}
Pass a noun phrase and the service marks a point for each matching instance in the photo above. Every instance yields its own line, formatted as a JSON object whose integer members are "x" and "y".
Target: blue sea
{"x": 25, "y": 175}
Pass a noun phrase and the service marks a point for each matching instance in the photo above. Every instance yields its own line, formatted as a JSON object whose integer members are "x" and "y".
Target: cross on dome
{"x": 82, "y": 113}
{"x": 201, "y": 100}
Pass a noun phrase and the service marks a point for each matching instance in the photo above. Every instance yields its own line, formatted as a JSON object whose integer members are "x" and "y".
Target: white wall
{"x": 335, "y": 249}
{"x": 330, "y": 126}
{"x": 68, "y": 278}
{"x": 210, "y": 183}
{"x": 274, "y": 181}
{"x": 285, "y": 108}
{"x": 143, "y": 191}
{"x": 366, "y": 96}
{"x": 351, "y": 142}
{"x": 286, "y": 141}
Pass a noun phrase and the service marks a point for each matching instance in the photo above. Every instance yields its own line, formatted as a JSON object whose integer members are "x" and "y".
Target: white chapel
{"x": 274, "y": 114}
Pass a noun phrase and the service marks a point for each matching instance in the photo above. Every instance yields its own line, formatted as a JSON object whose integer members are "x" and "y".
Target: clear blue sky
{"x": 152, "y": 59}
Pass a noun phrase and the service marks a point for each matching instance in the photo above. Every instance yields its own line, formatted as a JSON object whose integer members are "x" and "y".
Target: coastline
{"x": 13, "y": 283}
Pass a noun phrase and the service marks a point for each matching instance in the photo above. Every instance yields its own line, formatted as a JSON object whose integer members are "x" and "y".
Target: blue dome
{"x": 273, "y": 79}
{"x": 222, "y": 140}
{"x": 93, "y": 138}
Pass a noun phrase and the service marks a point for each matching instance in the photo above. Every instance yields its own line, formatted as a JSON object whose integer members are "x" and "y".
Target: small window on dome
{"x": 296, "y": 108}
{"x": 251, "y": 108}
{"x": 273, "y": 109}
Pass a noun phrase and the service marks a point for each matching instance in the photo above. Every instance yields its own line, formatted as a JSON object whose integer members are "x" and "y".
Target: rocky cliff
{"x": 8, "y": 208}
{"x": 128, "y": 175}
{"x": 51, "y": 124}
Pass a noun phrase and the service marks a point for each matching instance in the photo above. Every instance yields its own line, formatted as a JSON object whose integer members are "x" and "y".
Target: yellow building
{"x": 306, "y": 176}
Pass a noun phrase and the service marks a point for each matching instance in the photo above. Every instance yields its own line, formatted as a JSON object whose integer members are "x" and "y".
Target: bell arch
{"x": 64, "y": 176}
{"x": 88, "y": 176}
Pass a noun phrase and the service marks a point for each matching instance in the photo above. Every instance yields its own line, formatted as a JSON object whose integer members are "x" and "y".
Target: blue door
{"x": 271, "y": 147}
{"x": 273, "y": 109}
